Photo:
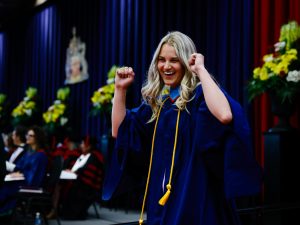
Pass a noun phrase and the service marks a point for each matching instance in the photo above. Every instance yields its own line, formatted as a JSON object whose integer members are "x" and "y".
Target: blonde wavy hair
{"x": 152, "y": 88}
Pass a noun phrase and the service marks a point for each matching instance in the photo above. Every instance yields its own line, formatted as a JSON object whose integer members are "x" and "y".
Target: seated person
{"x": 19, "y": 141}
{"x": 9, "y": 146}
{"x": 78, "y": 195}
{"x": 32, "y": 166}
{"x": 2, "y": 162}
{"x": 72, "y": 152}
{"x": 69, "y": 150}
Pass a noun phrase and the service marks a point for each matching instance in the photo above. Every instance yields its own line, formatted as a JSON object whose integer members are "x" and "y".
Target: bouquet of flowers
{"x": 26, "y": 110}
{"x": 56, "y": 115}
{"x": 102, "y": 98}
{"x": 280, "y": 72}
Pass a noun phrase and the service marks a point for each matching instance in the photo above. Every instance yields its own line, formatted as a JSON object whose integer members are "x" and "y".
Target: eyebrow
{"x": 171, "y": 58}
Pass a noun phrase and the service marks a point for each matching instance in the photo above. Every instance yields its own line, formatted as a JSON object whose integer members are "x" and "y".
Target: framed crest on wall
{"x": 76, "y": 64}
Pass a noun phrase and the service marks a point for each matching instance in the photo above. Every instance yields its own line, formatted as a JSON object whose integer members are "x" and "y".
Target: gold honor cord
{"x": 163, "y": 200}
{"x": 165, "y": 197}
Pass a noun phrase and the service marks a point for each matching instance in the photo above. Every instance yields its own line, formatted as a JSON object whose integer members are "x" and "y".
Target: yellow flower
{"x": 56, "y": 112}
{"x": 102, "y": 98}
{"x": 256, "y": 72}
{"x": 264, "y": 75}
{"x": 27, "y": 106}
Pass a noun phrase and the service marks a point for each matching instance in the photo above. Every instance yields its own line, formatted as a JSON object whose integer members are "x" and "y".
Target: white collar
{"x": 80, "y": 162}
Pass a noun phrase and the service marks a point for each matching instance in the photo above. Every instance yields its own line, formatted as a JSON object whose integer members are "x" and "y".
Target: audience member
{"x": 32, "y": 167}
{"x": 79, "y": 194}
{"x": 2, "y": 162}
{"x": 9, "y": 145}
{"x": 18, "y": 147}
{"x": 70, "y": 151}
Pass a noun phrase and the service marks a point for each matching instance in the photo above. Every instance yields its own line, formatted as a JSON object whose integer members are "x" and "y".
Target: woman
{"x": 35, "y": 161}
{"x": 195, "y": 135}
{"x": 32, "y": 166}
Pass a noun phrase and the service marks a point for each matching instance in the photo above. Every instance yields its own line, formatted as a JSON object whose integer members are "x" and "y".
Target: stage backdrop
{"x": 122, "y": 32}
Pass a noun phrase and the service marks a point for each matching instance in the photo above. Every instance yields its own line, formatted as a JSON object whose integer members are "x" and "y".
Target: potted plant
{"x": 27, "y": 111}
{"x": 279, "y": 75}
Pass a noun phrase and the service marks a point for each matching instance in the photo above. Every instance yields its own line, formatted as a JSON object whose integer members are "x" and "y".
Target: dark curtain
{"x": 2, "y": 59}
{"x": 124, "y": 32}
{"x": 269, "y": 15}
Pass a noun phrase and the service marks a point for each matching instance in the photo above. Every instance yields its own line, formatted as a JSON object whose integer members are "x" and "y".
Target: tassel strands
{"x": 166, "y": 196}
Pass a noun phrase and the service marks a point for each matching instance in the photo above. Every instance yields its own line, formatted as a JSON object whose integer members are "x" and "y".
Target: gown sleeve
{"x": 131, "y": 146}
{"x": 242, "y": 174}
{"x": 228, "y": 149}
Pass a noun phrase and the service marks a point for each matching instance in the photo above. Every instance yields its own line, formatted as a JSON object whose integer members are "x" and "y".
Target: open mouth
{"x": 168, "y": 73}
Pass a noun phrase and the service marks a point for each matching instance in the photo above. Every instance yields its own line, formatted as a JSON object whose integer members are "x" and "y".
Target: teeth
{"x": 168, "y": 73}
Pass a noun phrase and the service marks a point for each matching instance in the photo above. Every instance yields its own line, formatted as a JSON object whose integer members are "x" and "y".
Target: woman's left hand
{"x": 196, "y": 63}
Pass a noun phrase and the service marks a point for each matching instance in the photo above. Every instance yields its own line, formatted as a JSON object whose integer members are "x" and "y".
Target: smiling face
{"x": 169, "y": 66}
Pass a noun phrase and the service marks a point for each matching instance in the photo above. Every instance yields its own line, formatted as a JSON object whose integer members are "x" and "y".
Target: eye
{"x": 161, "y": 59}
{"x": 174, "y": 60}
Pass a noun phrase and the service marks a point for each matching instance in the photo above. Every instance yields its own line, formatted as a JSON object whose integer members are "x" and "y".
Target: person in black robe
{"x": 193, "y": 135}
{"x": 18, "y": 149}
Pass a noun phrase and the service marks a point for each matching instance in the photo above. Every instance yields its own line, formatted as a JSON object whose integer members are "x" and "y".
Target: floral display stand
{"x": 281, "y": 191}
{"x": 283, "y": 109}
{"x": 279, "y": 76}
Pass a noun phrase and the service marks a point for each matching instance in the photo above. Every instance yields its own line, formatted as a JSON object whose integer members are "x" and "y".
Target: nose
{"x": 167, "y": 65}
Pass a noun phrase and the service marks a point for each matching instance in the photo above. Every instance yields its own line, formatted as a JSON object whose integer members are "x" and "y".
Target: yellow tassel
{"x": 165, "y": 197}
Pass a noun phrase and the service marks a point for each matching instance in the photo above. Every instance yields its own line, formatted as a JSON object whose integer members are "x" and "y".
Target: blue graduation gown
{"x": 213, "y": 163}
{"x": 33, "y": 165}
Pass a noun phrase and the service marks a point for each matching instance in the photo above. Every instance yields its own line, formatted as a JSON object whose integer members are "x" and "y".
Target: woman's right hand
{"x": 124, "y": 78}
